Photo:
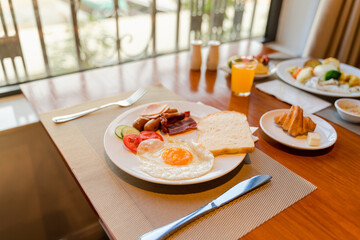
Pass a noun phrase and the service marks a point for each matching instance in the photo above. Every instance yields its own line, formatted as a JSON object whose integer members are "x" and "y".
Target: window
{"x": 42, "y": 38}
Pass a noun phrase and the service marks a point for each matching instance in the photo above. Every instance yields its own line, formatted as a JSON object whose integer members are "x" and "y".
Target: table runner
{"x": 293, "y": 96}
{"x": 130, "y": 207}
{"x": 331, "y": 114}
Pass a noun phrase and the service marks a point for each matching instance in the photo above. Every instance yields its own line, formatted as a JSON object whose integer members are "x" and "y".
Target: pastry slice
{"x": 294, "y": 122}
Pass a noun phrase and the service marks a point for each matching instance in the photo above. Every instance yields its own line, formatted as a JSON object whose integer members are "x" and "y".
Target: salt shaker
{"x": 196, "y": 55}
{"x": 213, "y": 57}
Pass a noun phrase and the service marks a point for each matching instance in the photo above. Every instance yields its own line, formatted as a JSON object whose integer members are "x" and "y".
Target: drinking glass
{"x": 242, "y": 75}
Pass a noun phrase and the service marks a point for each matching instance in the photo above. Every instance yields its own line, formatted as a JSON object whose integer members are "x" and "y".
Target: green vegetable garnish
{"x": 233, "y": 58}
{"x": 332, "y": 74}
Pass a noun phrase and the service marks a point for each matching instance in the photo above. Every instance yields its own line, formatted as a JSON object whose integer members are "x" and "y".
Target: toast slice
{"x": 225, "y": 132}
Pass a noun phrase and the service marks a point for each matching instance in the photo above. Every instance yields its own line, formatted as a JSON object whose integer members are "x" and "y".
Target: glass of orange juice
{"x": 242, "y": 75}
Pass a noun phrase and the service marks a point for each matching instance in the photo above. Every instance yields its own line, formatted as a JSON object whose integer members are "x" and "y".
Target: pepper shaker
{"x": 213, "y": 57}
{"x": 196, "y": 55}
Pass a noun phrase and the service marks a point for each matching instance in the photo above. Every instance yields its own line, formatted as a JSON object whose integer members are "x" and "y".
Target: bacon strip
{"x": 164, "y": 124}
{"x": 182, "y": 126}
{"x": 177, "y": 127}
{"x": 173, "y": 117}
{"x": 178, "y": 122}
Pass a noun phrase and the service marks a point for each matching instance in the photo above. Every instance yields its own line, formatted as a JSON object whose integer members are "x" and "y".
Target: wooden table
{"x": 330, "y": 212}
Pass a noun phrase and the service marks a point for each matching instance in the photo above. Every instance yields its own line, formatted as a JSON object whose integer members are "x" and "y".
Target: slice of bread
{"x": 225, "y": 132}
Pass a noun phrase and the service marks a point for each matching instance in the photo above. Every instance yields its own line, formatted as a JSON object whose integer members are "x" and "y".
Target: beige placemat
{"x": 130, "y": 207}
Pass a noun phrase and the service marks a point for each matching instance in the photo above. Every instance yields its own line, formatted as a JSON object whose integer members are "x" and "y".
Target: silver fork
{"x": 122, "y": 103}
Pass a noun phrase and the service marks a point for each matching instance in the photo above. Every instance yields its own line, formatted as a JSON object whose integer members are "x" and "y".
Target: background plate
{"x": 128, "y": 162}
{"x": 327, "y": 133}
{"x": 271, "y": 67}
{"x": 281, "y": 71}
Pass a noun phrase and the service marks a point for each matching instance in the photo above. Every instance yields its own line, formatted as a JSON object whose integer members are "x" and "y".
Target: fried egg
{"x": 175, "y": 159}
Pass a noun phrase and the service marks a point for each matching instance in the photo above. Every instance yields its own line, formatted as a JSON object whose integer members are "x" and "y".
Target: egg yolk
{"x": 177, "y": 156}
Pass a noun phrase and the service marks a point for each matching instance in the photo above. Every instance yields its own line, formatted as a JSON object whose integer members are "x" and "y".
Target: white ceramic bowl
{"x": 343, "y": 103}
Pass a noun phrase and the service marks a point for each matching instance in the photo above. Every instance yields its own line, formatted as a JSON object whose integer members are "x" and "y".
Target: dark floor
{"x": 39, "y": 198}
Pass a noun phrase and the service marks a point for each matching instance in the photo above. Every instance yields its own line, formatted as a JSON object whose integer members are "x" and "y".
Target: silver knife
{"x": 234, "y": 192}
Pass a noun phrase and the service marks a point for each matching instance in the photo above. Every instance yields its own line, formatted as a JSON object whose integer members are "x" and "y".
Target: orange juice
{"x": 242, "y": 77}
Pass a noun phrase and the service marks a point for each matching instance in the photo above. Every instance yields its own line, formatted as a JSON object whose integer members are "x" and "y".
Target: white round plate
{"x": 128, "y": 162}
{"x": 327, "y": 133}
{"x": 281, "y": 71}
{"x": 271, "y": 67}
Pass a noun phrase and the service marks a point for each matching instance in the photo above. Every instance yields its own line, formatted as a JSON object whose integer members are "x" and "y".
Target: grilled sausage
{"x": 153, "y": 124}
{"x": 140, "y": 123}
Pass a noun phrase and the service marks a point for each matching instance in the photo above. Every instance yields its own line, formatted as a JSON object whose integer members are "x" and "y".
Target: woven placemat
{"x": 130, "y": 207}
{"x": 332, "y": 115}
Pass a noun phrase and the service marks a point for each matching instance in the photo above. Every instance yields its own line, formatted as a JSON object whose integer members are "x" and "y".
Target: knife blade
{"x": 238, "y": 190}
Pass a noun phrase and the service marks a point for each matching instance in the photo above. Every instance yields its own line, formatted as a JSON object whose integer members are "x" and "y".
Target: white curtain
{"x": 336, "y": 32}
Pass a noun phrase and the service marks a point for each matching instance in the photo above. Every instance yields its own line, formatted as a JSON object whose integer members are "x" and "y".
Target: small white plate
{"x": 128, "y": 162}
{"x": 271, "y": 67}
{"x": 299, "y": 62}
{"x": 327, "y": 133}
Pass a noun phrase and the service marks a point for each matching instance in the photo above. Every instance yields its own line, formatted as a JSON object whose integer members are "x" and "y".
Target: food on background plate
{"x": 225, "y": 132}
{"x": 175, "y": 159}
{"x": 262, "y": 66}
{"x": 332, "y": 61}
{"x": 325, "y": 72}
{"x": 294, "y": 122}
{"x": 326, "y": 76}
{"x": 303, "y": 75}
{"x": 312, "y": 63}
{"x": 352, "y": 109}
{"x": 261, "y": 69}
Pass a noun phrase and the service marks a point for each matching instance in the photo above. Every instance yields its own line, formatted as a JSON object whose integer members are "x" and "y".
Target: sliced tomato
{"x": 144, "y": 135}
{"x": 132, "y": 141}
